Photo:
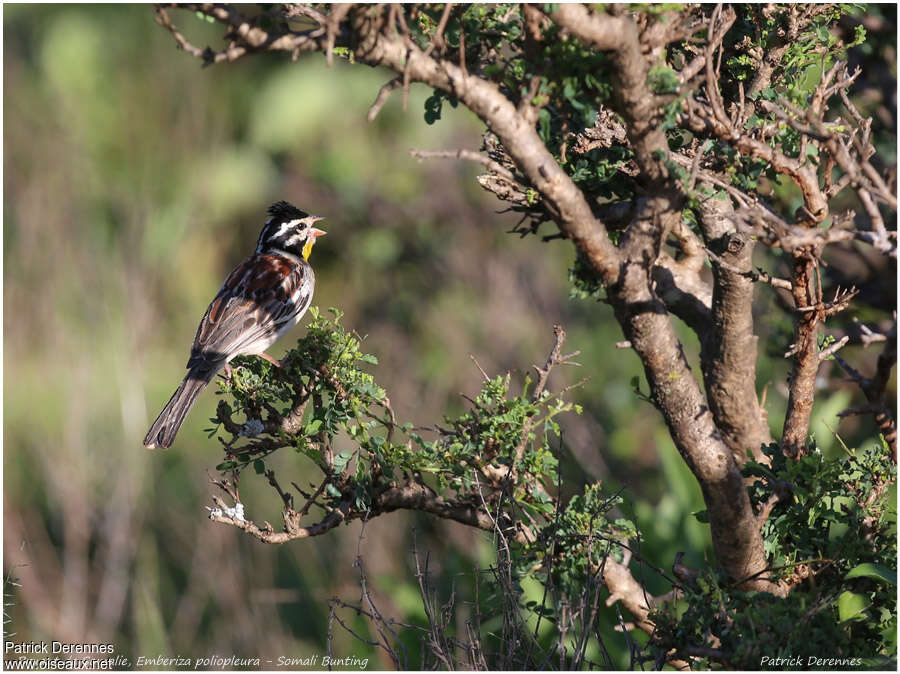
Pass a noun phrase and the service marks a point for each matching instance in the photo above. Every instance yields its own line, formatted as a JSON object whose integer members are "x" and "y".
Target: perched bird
{"x": 263, "y": 298}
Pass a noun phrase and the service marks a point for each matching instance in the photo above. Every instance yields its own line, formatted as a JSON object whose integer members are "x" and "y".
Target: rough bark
{"x": 806, "y": 359}
{"x": 645, "y": 320}
{"x": 728, "y": 353}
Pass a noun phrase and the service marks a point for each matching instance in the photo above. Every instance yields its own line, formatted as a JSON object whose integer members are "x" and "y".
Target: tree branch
{"x": 643, "y": 315}
{"x": 875, "y": 389}
{"x": 806, "y": 358}
{"x": 728, "y": 354}
{"x": 624, "y": 588}
{"x": 410, "y": 496}
{"x": 468, "y": 155}
{"x": 571, "y": 210}
{"x": 634, "y": 100}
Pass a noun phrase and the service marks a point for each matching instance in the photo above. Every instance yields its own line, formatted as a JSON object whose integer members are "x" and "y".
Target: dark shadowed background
{"x": 134, "y": 181}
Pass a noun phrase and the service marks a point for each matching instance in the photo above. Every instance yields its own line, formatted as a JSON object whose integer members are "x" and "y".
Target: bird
{"x": 262, "y": 299}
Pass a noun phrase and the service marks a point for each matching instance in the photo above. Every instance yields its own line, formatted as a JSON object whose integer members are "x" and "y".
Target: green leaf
{"x": 662, "y": 80}
{"x": 851, "y": 605}
{"x": 544, "y": 122}
{"x": 433, "y": 105}
{"x": 259, "y": 466}
{"x": 313, "y": 427}
{"x": 341, "y": 460}
{"x": 877, "y": 571}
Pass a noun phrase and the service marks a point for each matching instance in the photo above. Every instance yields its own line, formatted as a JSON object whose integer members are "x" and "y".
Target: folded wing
{"x": 260, "y": 300}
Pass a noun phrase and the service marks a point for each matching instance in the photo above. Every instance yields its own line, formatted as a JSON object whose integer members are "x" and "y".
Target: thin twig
{"x": 468, "y": 155}
{"x": 827, "y": 353}
{"x": 383, "y": 94}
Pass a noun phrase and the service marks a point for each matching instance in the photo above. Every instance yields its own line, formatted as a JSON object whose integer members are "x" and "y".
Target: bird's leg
{"x": 228, "y": 371}
{"x": 275, "y": 362}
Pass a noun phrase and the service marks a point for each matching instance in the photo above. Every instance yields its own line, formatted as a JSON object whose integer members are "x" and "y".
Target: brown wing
{"x": 259, "y": 298}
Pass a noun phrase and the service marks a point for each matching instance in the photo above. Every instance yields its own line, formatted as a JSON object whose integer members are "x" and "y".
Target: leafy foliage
{"x": 495, "y": 458}
{"x": 501, "y": 446}
{"x": 833, "y": 532}
{"x": 573, "y": 548}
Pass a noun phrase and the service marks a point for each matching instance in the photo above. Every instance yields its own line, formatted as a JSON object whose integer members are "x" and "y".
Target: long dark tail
{"x": 162, "y": 432}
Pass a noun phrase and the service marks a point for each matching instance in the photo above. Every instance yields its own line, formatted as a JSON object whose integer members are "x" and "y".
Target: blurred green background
{"x": 134, "y": 181}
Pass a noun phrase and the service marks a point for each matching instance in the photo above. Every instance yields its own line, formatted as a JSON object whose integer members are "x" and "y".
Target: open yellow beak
{"x": 315, "y": 233}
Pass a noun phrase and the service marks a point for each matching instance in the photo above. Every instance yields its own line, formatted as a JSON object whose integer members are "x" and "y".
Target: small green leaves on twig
{"x": 494, "y": 456}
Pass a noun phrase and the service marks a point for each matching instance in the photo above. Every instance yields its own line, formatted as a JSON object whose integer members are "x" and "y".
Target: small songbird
{"x": 263, "y": 298}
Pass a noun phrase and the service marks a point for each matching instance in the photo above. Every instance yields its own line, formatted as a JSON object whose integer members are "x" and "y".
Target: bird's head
{"x": 290, "y": 230}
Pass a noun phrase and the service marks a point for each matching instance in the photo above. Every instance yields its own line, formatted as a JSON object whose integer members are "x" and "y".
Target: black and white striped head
{"x": 289, "y": 229}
